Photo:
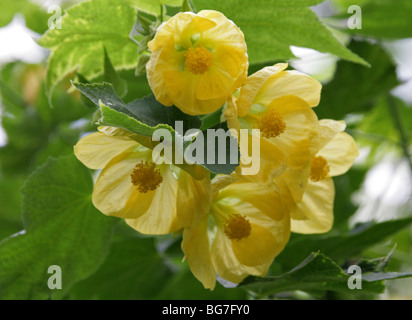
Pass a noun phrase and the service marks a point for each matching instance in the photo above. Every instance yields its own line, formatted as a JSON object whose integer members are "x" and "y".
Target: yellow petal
{"x": 328, "y": 129}
{"x": 340, "y": 153}
{"x": 235, "y": 259}
{"x": 295, "y": 179}
{"x": 259, "y": 248}
{"x": 227, "y": 265}
{"x": 161, "y": 217}
{"x": 97, "y": 149}
{"x": 290, "y": 82}
{"x": 225, "y": 32}
{"x": 114, "y": 194}
{"x": 222, "y": 76}
{"x": 213, "y": 83}
{"x": 317, "y": 207}
{"x": 193, "y": 198}
{"x": 297, "y": 142}
{"x": 271, "y": 158}
{"x": 195, "y": 246}
{"x": 196, "y": 91}
{"x": 182, "y": 87}
{"x": 230, "y": 114}
{"x": 181, "y": 26}
{"x": 263, "y": 198}
{"x": 253, "y": 85}
{"x": 158, "y": 61}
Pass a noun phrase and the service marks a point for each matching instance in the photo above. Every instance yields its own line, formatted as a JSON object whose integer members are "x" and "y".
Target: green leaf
{"x": 385, "y": 19}
{"x": 211, "y": 119}
{"x": 272, "y": 26}
{"x": 10, "y": 200}
{"x": 145, "y": 116}
{"x": 35, "y": 16}
{"x": 153, "y": 6}
{"x": 110, "y": 75}
{"x": 225, "y": 167}
{"x": 184, "y": 286}
{"x": 87, "y": 28}
{"x": 357, "y": 88}
{"x": 133, "y": 270}
{"x": 320, "y": 273}
{"x": 61, "y": 228}
{"x": 339, "y": 247}
{"x": 28, "y": 121}
{"x": 141, "y": 116}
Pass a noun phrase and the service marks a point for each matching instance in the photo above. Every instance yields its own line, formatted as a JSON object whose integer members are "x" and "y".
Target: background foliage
{"x": 46, "y": 214}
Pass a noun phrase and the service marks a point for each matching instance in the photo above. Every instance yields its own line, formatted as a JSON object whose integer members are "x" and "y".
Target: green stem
{"x": 402, "y": 133}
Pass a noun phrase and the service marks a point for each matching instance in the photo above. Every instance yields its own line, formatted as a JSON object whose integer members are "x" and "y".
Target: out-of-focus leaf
{"x": 386, "y": 19}
{"x": 184, "y": 286}
{"x": 272, "y": 26}
{"x": 61, "y": 228}
{"x": 153, "y": 6}
{"x": 30, "y": 123}
{"x": 338, "y": 247}
{"x": 87, "y": 28}
{"x": 133, "y": 270}
{"x": 357, "y": 88}
{"x": 10, "y": 200}
{"x": 35, "y": 16}
{"x": 316, "y": 272}
{"x": 345, "y": 186}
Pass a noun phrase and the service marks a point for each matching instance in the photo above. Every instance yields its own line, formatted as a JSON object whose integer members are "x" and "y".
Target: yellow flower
{"x": 247, "y": 227}
{"x": 278, "y": 103}
{"x": 337, "y": 152}
{"x": 197, "y": 61}
{"x": 153, "y": 199}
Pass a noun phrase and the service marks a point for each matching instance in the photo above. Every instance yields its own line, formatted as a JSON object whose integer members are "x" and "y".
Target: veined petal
{"x": 262, "y": 197}
{"x": 290, "y": 82}
{"x": 227, "y": 265}
{"x": 298, "y": 139}
{"x": 114, "y": 194}
{"x": 154, "y": 72}
{"x": 222, "y": 76}
{"x": 295, "y": 179}
{"x": 197, "y": 61}
{"x": 328, "y": 129}
{"x": 181, "y": 86}
{"x": 181, "y": 27}
{"x": 235, "y": 259}
{"x": 226, "y": 32}
{"x": 161, "y": 217}
{"x": 213, "y": 83}
{"x": 340, "y": 153}
{"x": 271, "y": 158}
{"x": 97, "y": 149}
{"x": 230, "y": 114}
{"x": 253, "y": 85}
{"x": 317, "y": 207}
{"x": 193, "y": 198}
{"x": 196, "y": 248}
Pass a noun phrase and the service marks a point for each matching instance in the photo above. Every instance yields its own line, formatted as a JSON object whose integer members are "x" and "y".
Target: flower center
{"x": 198, "y": 60}
{"x": 271, "y": 124}
{"x": 237, "y": 227}
{"x": 319, "y": 169}
{"x": 146, "y": 177}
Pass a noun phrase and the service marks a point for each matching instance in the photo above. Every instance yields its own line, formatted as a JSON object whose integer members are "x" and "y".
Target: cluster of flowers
{"x": 233, "y": 225}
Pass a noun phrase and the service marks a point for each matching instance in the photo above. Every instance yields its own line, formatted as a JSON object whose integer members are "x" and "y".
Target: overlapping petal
{"x": 209, "y": 42}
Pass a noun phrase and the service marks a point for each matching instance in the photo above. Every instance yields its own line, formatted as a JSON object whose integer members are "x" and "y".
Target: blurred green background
{"x": 374, "y": 101}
